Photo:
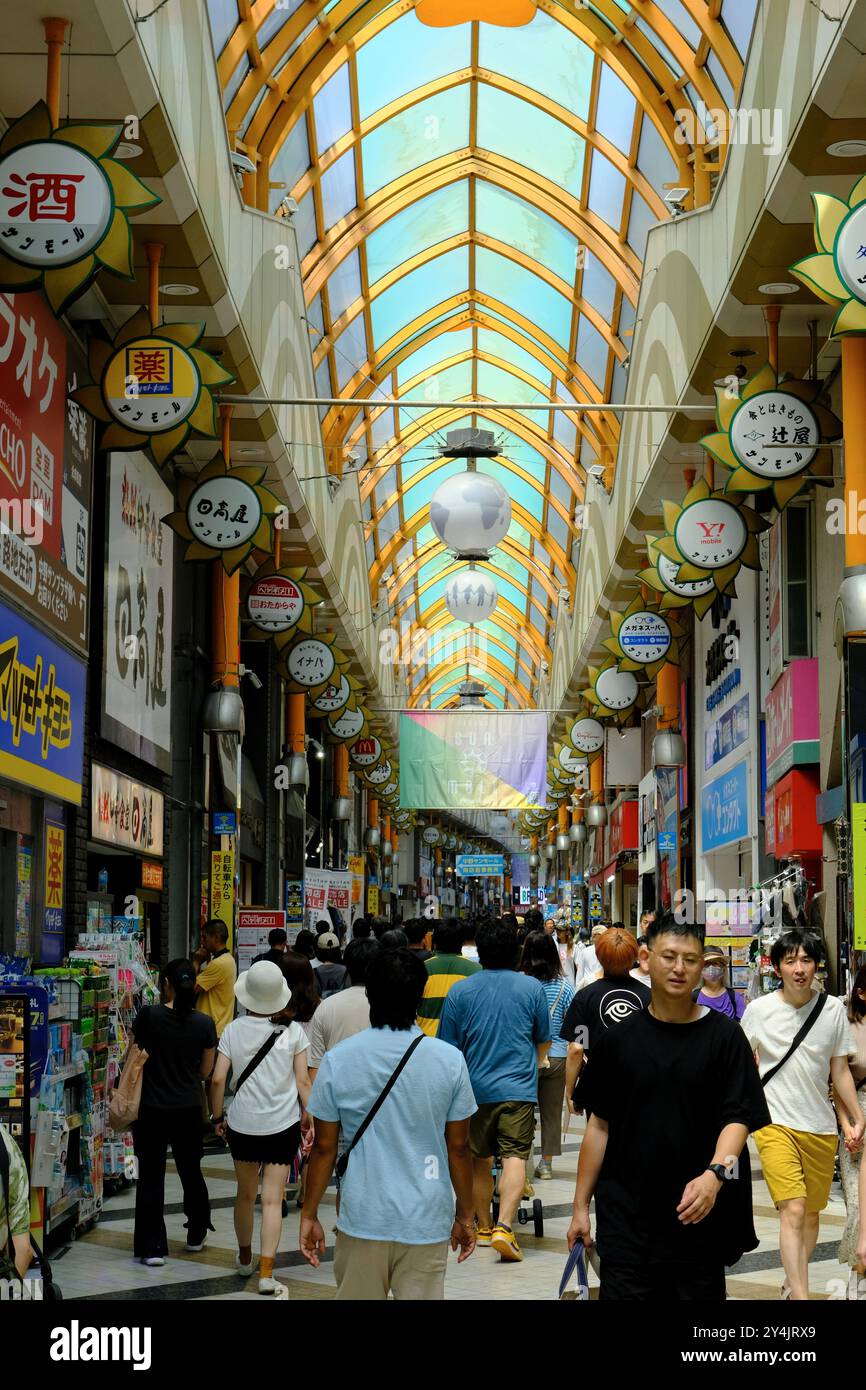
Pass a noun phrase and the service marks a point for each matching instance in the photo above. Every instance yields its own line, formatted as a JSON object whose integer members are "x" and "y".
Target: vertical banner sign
{"x": 373, "y": 899}
{"x": 53, "y": 915}
{"x": 222, "y": 889}
{"x": 136, "y": 695}
{"x": 858, "y": 860}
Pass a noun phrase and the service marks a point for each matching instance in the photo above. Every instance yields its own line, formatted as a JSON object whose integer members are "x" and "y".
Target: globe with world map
{"x": 470, "y": 513}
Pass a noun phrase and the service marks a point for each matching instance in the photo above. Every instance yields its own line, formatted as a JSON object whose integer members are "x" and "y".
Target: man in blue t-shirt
{"x": 501, "y": 1023}
{"x": 412, "y": 1163}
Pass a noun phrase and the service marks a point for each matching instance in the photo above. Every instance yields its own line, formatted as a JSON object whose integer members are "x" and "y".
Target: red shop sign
{"x": 796, "y": 827}
{"x": 623, "y": 828}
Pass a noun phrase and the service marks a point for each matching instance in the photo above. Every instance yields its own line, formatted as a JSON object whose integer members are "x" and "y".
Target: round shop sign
{"x": 711, "y": 533}
{"x": 561, "y": 777}
{"x": 366, "y": 751}
{"x": 467, "y": 846}
{"x": 56, "y": 204}
{"x": 587, "y": 735}
{"x": 153, "y": 385}
{"x": 378, "y": 776}
{"x": 689, "y": 588}
{"x": 349, "y": 724}
{"x": 644, "y": 637}
{"x": 571, "y": 761}
{"x": 276, "y": 604}
{"x": 431, "y": 835}
{"x": 452, "y": 842}
{"x": 310, "y": 662}
{"x": 847, "y": 252}
{"x": 391, "y": 790}
{"x": 774, "y": 435}
{"x": 334, "y": 697}
{"x": 616, "y": 689}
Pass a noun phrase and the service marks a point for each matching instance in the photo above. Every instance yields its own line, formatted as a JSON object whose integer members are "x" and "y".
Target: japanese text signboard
{"x": 138, "y": 610}
{"x": 45, "y": 460}
{"x": 41, "y": 710}
{"x": 126, "y": 813}
{"x": 53, "y": 913}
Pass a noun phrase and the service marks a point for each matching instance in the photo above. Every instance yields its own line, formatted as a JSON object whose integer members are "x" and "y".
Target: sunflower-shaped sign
{"x": 709, "y": 532}
{"x": 277, "y": 601}
{"x": 642, "y": 638}
{"x": 154, "y": 387}
{"x": 586, "y": 736}
{"x": 366, "y": 751}
{"x": 837, "y": 273}
{"x": 770, "y": 436}
{"x": 347, "y": 724}
{"x": 612, "y": 692}
{"x": 63, "y": 206}
{"x": 342, "y": 694}
{"x": 380, "y": 775}
{"x": 224, "y": 513}
{"x": 661, "y": 575}
{"x": 309, "y": 664}
{"x": 569, "y": 760}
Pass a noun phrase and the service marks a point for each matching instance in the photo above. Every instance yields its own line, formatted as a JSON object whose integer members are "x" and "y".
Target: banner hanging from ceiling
{"x": 480, "y": 760}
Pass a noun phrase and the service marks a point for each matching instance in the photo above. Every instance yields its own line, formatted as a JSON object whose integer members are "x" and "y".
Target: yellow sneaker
{"x": 528, "y": 1189}
{"x": 505, "y": 1241}
{"x": 483, "y": 1235}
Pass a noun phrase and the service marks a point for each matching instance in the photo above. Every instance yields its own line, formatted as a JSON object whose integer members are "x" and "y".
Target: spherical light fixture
{"x": 577, "y": 833}
{"x": 534, "y": 861}
{"x": 596, "y": 814}
{"x": 549, "y": 852}
{"x": 471, "y": 596}
{"x": 563, "y": 842}
{"x": 669, "y": 749}
{"x": 470, "y": 513}
{"x": 372, "y": 836}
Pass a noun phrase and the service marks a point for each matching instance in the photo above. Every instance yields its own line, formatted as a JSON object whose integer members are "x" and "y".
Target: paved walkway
{"x": 99, "y": 1266}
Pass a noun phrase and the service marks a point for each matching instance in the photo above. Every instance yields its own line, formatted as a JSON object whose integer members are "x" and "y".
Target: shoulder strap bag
{"x": 259, "y": 1057}
{"x": 343, "y": 1160}
{"x": 806, "y": 1028}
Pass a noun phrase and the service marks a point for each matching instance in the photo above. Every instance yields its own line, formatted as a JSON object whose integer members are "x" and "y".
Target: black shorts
{"x": 277, "y": 1148}
{"x": 670, "y": 1283}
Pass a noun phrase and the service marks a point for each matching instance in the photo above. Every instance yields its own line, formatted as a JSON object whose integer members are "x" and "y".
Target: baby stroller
{"x": 525, "y": 1214}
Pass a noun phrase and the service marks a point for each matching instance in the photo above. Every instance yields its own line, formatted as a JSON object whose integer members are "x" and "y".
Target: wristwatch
{"x": 217, "y": 1119}
{"x": 719, "y": 1170}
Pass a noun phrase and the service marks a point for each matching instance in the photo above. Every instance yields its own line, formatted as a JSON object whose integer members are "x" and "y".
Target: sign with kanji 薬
{"x": 53, "y": 913}
{"x": 45, "y": 459}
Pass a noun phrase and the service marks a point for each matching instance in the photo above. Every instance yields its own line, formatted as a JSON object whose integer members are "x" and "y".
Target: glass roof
{"x": 473, "y": 208}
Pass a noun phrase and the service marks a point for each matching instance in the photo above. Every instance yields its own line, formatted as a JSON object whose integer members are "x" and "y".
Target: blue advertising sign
{"x": 725, "y": 808}
{"x": 41, "y": 710}
{"x": 667, "y": 841}
{"x": 225, "y": 823}
{"x": 726, "y": 733}
{"x": 479, "y": 865}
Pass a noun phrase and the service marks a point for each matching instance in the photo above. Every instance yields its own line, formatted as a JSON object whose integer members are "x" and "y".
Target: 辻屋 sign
{"x": 41, "y": 710}
{"x": 45, "y": 459}
{"x": 139, "y": 576}
{"x": 126, "y": 813}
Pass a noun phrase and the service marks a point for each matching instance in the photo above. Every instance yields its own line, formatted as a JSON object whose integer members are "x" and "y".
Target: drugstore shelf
{"x": 68, "y": 1072}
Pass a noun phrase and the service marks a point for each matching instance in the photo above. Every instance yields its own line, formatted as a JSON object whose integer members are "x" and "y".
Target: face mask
{"x": 713, "y": 973}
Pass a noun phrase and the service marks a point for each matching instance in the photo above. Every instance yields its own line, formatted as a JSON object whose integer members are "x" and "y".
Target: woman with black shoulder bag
{"x": 263, "y": 1131}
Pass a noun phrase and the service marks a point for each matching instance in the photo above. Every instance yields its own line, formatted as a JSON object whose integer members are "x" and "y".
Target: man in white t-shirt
{"x": 798, "y": 1149}
{"x": 346, "y": 1013}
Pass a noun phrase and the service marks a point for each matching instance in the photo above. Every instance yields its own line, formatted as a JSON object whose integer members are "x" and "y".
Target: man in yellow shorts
{"x": 798, "y": 1149}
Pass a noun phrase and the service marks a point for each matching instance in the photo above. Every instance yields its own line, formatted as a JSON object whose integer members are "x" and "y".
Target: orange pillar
{"x": 772, "y": 315}
{"x": 341, "y": 767}
{"x": 596, "y": 779}
{"x": 55, "y": 33}
{"x": 153, "y": 250}
{"x": 295, "y": 721}
{"x": 854, "y": 425}
{"x": 372, "y": 812}
{"x": 668, "y": 695}
{"x": 563, "y": 817}
{"x": 226, "y": 598}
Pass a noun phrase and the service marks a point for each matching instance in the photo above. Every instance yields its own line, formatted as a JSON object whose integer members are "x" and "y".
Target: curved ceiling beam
{"x": 508, "y": 618}
{"x": 509, "y": 546}
{"x": 496, "y": 668}
{"x": 602, "y": 240}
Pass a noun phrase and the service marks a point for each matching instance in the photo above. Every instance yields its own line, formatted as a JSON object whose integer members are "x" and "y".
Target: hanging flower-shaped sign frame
{"x": 771, "y": 435}
{"x": 308, "y": 663}
{"x": 154, "y": 387}
{"x": 339, "y": 697}
{"x": 607, "y": 681}
{"x": 283, "y": 593}
{"x": 708, "y": 533}
{"x": 642, "y": 639}
{"x": 586, "y": 737}
{"x": 661, "y": 576}
{"x": 63, "y": 207}
{"x": 353, "y": 721}
{"x": 837, "y": 273}
{"x": 224, "y": 513}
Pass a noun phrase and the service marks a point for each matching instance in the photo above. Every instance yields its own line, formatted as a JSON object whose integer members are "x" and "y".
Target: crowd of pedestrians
{"x": 408, "y": 1066}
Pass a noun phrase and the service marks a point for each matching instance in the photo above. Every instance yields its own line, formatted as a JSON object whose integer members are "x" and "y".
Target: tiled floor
{"x": 99, "y": 1266}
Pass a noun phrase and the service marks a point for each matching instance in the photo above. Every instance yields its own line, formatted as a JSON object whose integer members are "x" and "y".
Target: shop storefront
{"x": 125, "y": 873}
{"x": 791, "y": 826}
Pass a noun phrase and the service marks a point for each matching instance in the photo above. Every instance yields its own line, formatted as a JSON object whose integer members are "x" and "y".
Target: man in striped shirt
{"x": 444, "y": 969}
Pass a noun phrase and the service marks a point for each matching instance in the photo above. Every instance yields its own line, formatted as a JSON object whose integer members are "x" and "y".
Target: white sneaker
{"x": 272, "y": 1286}
{"x": 245, "y": 1270}
{"x": 152, "y": 1261}
{"x": 194, "y": 1249}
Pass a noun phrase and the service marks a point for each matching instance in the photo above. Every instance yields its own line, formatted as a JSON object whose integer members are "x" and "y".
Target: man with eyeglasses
{"x": 673, "y": 1094}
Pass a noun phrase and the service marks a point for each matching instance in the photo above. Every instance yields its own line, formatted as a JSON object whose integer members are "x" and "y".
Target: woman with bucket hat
{"x": 269, "y": 1064}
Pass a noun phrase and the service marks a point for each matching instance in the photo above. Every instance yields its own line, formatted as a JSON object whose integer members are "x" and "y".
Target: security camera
{"x": 245, "y": 671}
{"x": 334, "y": 485}
{"x": 351, "y": 462}
{"x": 241, "y": 163}
{"x": 288, "y": 206}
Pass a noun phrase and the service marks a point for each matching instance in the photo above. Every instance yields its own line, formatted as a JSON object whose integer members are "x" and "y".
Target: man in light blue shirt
{"x": 397, "y": 1198}
{"x": 501, "y": 1023}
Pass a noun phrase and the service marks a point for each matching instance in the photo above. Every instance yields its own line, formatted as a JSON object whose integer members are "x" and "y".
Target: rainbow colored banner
{"x": 472, "y": 760}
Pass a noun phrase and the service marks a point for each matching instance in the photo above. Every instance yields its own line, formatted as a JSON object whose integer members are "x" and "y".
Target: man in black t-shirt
{"x": 597, "y": 1007}
{"x": 673, "y": 1089}
{"x": 277, "y": 940}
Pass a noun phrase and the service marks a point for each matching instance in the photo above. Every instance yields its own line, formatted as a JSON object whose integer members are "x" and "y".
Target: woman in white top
{"x": 851, "y": 1163}
{"x": 265, "y": 1128}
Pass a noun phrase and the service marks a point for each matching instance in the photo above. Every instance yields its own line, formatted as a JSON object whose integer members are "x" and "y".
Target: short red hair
{"x": 616, "y": 951}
